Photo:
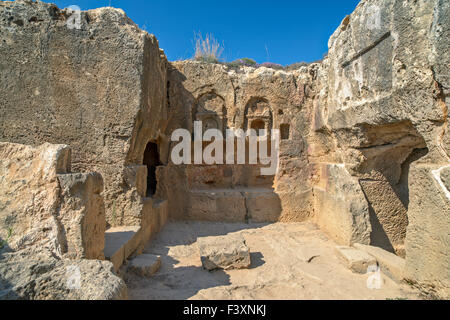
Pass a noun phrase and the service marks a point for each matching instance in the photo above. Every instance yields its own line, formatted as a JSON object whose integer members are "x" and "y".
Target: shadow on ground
{"x": 181, "y": 282}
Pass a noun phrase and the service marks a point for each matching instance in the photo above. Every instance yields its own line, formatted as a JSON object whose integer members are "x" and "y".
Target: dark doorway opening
{"x": 151, "y": 160}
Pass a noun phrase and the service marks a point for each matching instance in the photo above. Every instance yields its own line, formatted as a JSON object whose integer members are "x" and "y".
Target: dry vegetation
{"x": 210, "y": 50}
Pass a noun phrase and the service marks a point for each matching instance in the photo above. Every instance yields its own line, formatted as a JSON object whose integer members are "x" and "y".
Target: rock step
{"x": 120, "y": 243}
{"x": 391, "y": 264}
{"x": 356, "y": 260}
{"x": 359, "y": 257}
{"x": 144, "y": 265}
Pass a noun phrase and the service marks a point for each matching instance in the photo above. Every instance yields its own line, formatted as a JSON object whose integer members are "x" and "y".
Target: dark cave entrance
{"x": 151, "y": 160}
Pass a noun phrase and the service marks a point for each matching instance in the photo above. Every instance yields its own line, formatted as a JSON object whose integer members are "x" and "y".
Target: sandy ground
{"x": 289, "y": 261}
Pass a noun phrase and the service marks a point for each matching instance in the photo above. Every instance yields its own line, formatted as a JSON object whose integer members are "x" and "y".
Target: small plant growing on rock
{"x": 3, "y": 243}
{"x": 296, "y": 66}
{"x": 207, "y": 49}
{"x": 248, "y": 62}
{"x": 244, "y": 62}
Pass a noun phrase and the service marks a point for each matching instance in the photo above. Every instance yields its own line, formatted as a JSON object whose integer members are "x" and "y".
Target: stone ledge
{"x": 356, "y": 260}
{"x": 390, "y": 264}
{"x": 120, "y": 243}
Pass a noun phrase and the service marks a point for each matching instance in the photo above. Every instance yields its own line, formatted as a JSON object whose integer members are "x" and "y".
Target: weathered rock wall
{"x": 383, "y": 114}
{"x": 239, "y": 99}
{"x": 100, "y": 89}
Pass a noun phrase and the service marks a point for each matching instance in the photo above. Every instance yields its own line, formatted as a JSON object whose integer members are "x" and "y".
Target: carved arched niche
{"x": 210, "y": 109}
{"x": 258, "y": 115}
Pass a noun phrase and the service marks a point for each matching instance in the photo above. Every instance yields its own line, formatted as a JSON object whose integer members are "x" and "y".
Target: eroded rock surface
{"x": 42, "y": 277}
{"x": 391, "y": 264}
{"x": 248, "y": 98}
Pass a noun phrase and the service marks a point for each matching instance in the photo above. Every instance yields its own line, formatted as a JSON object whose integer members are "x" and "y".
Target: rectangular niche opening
{"x": 285, "y": 131}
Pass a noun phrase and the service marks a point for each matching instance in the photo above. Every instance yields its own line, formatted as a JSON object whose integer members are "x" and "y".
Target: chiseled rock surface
{"x": 428, "y": 237}
{"x": 366, "y": 153}
{"x": 225, "y": 252}
{"x": 120, "y": 243}
{"x": 342, "y": 211}
{"x": 237, "y": 99}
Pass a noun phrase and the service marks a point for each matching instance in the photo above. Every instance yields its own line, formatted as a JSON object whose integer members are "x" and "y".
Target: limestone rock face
{"x": 427, "y": 238}
{"x": 341, "y": 208}
{"x": 226, "y": 252}
{"x": 101, "y": 89}
{"x": 223, "y": 98}
{"x": 121, "y": 242}
{"x": 391, "y": 264}
{"x": 382, "y": 113}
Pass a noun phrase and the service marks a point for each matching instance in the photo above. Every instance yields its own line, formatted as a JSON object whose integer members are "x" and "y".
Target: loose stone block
{"x": 226, "y": 252}
{"x": 145, "y": 265}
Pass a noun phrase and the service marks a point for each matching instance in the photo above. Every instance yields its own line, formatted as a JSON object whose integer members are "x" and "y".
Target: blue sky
{"x": 282, "y": 31}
